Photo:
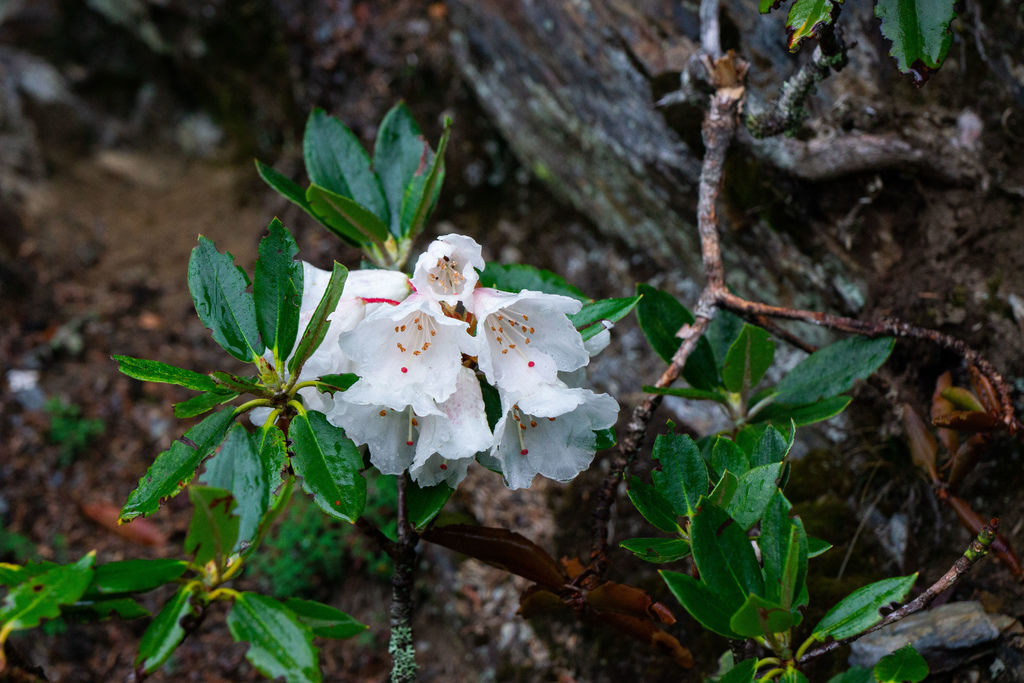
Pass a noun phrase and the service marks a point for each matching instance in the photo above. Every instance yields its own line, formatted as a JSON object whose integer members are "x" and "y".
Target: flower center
{"x": 446, "y": 275}
{"x": 524, "y": 422}
{"x": 413, "y": 337}
{"x": 511, "y": 330}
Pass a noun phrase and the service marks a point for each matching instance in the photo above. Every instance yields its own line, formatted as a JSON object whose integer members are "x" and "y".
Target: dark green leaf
{"x": 701, "y": 602}
{"x": 724, "y": 490}
{"x": 345, "y": 217}
{"x": 772, "y": 447}
{"x": 98, "y": 610}
{"x": 202, "y": 403}
{"x": 237, "y": 468}
{"x": 688, "y": 392}
{"x": 682, "y": 476}
{"x": 329, "y": 465}
{"x": 722, "y": 332}
{"x": 807, "y": 17}
{"x": 423, "y": 189}
{"x": 398, "y": 153}
{"x": 741, "y": 673}
{"x": 902, "y": 665}
{"x": 214, "y": 528}
{"x": 588, "y": 319}
{"x": 219, "y": 293}
{"x": 724, "y": 557}
{"x": 652, "y": 505}
{"x": 135, "y": 576}
{"x": 606, "y": 438}
{"x": 858, "y": 611}
{"x": 316, "y": 330}
{"x": 155, "y": 371}
{"x": 748, "y": 358}
{"x": 726, "y": 455}
{"x": 919, "y": 33}
{"x": 660, "y": 316}
{"x": 854, "y": 675}
{"x": 756, "y": 487}
{"x": 333, "y": 383}
{"x": 326, "y": 621}
{"x": 242, "y": 385}
{"x": 765, "y": 6}
{"x": 783, "y": 546}
{"x": 277, "y": 290}
{"x": 792, "y": 676}
{"x": 517, "y": 277}
{"x": 816, "y": 546}
{"x": 176, "y": 466}
{"x": 279, "y": 644}
{"x": 657, "y": 550}
{"x": 164, "y": 633}
{"x": 337, "y": 162}
{"x": 833, "y": 369}
{"x": 12, "y": 574}
{"x": 41, "y": 596}
{"x": 285, "y": 186}
{"x": 425, "y": 503}
{"x": 805, "y": 414}
{"x": 270, "y": 445}
{"x": 758, "y": 616}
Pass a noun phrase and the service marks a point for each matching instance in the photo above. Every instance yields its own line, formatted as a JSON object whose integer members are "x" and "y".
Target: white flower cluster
{"x": 417, "y": 345}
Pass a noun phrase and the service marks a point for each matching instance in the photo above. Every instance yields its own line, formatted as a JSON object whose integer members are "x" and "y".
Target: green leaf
{"x": 748, "y": 358}
{"x": 214, "y": 528}
{"x": 727, "y": 456}
{"x": 135, "y": 576}
{"x": 337, "y": 162}
{"x": 660, "y": 316}
{"x": 832, "y": 370}
{"x": 333, "y": 383}
{"x": 804, "y": 414}
{"x": 12, "y": 574}
{"x": 277, "y": 290}
{"x": 238, "y": 469}
{"x": 279, "y": 644}
{"x": 164, "y": 633}
{"x": 176, "y": 466}
{"x": 854, "y": 675}
{"x": 345, "y": 217}
{"x": 724, "y": 557}
{"x": 807, "y": 17}
{"x": 219, "y": 293}
{"x": 772, "y": 447}
{"x": 41, "y": 596}
{"x": 722, "y": 333}
{"x": 398, "y": 153}
{"x": 858, "y": 611}
{"x": 741, "y": 673}
{"x": 285, "y": 186}
{"x": 425, "y": 503}
{"x": 688, "y": 392}
{"x": 202, "y": 403}
{"x": 329, "y": 465}
{"x": 701, "y": 602}
{"x": 783, "y": 544}
{"x": 816, "y": 546}
{"x": 724, "y": 490}
{"x": 919, "y": 33}
{"x": 657, "y": 550}
{"x": 792, "y": 676}
{"x": 588, "y": 320}
{"x": 766, "y": 6}
{"x": 316, "y": 330}
{"x": 98, "y": 610}
{"x": 422, "y": 191}
{"x": 155, "y": 371}
{"x": 605, "y": 439}
{"x": 652, "y": 505}
{"x": 754, "y": 491}
{"x": 324, "y": 620}
{"x": 270, "y": 445}
{"x": 517, "y": 277}
{"x": 682, "y": 476}
{"x": 905, "y": 664}
{"x": 758, "y": 616}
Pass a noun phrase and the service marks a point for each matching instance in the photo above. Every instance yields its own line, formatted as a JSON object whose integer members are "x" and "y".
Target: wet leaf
{"x": 588, "y": 320}
{"x": 280, "y": 645}
{"x": 726, "y": 455}
{"x": 135, "y": 576}
{"x": 425, "y": 503}
{"x": 277, "y": 290}
{"x": 202, "y": 403}
{"x": 41, "y": 596}
{"x": 833, "y": 370}
{"x": 155, "y": 371}
{"x": 859, "y": 610}
{"x": 688, "y": 392}
{"x": 681, "y": 476}
{"x": 654, "y": 507}
{"x": 285, "y": 186}
{"x": 337, "y": 162}
{"x": 318, "y": 324}
{"x": 99, "y": 610}
{"x": 701, "y": 602}
{"x": 748, "y": 358}
{"x": 801, "y": 415}
{"x": 724, "y": 490}
{"x": 400, "y": 153}
{"x": 329, "y": 465}
{"x": 214, "y": 528}
{"x": 901, "y": 666}
{"x": 657, "y": 550}
{"x": 333, "y": 383}
{"x": 517, "y": 277}
{"x": 919, "y": 33}
{"x": 724, "y": 557}
{"x": 176, "y": 466}
{"x": 422, "y": 190}
{"x": 759, "y": 616}
{"x": 807, "y": 17}
{"x": 744, "y": 671}
{"x": 324, "y": 620}
{"x": 219, "y": 293}
{"x": 753, "y": 491}
{"x": 345, "y": 217}
{"x": 502, "y": 548}
{"x": 163, "y": 635}
{"x": 660, "y": 316}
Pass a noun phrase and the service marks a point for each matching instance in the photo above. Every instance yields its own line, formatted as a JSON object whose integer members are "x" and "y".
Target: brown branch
{"x": 400, "y": 647}
{"x": 975, "y": 551}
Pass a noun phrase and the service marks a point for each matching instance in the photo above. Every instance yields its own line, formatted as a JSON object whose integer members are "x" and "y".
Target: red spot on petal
{"x": 443, "y": 466}
{"x": 530, "y": 364}
{"x": 405, "y": 369}
{"x": 408, "y": 443}
{"x": 523, "y": 452}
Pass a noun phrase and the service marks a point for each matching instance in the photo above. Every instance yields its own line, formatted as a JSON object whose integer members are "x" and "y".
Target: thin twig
{"x": 975, "y": 551}
{"x": 400, "y": 647}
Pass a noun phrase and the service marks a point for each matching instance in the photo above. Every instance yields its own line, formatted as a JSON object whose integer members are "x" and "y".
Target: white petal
{"x": 436, "y": 470}
{"x": 467, "y": 429}
{"x": 599, "y": 342}
{"x": 446, "y": 270}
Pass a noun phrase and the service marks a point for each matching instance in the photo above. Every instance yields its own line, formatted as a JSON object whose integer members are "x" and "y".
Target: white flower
{"x": 445, "y": 272}
{"x": 550, "y": 432}
{"x": 526, "y": 337}
{"x": 407, "y": 355}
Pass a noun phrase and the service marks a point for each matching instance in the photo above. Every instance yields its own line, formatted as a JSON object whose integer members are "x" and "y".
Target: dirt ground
{"x": 95, "y": 232}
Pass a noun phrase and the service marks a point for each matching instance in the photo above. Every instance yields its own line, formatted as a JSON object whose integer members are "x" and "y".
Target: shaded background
{"x": 127, "y": 127}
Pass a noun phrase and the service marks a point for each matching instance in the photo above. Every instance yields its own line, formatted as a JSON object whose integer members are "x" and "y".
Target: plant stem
{"x": 400, "y": 647}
